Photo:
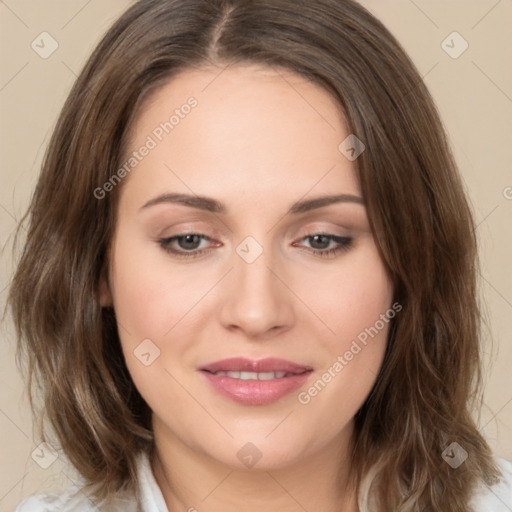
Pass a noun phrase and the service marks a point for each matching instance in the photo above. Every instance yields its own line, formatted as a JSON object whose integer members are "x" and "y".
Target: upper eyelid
{"x": 315, "y": 230}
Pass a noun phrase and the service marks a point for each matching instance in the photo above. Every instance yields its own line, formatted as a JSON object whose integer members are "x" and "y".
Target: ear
{"x": 104, "y": 293}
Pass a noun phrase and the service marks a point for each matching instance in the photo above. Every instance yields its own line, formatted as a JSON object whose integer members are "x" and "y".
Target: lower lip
{"x": 256, "y": 392}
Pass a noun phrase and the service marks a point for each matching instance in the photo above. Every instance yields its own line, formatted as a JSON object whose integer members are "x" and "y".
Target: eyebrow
{"x": 212, "y": 205}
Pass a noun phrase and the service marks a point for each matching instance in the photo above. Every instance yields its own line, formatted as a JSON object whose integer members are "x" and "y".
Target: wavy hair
{"x": 421, "y": 221}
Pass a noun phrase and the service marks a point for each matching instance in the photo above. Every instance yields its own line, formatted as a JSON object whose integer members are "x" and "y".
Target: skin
{"x": 259, "y": 140}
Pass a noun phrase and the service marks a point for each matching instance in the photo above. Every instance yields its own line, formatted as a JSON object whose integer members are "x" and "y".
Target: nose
{"x": 258, "y": 300}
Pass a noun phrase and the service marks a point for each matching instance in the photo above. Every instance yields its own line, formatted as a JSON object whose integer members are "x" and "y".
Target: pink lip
{"x": 256, "y": 392}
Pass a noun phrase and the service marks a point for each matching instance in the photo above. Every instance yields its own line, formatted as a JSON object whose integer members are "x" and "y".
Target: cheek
{"x": 150, "y": 296}
{"x": 356, "y": 304}
{"x": 351, "y": 297}
{"x": 150, "y": 299}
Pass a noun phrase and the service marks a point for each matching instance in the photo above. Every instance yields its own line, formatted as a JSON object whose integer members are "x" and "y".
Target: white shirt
{"x": 495, "y": 499}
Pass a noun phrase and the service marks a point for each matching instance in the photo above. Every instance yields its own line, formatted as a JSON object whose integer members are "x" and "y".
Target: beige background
{"x": 474, "y": 96}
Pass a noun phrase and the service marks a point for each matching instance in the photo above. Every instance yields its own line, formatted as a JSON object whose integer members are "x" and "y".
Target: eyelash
{"x": 344, "y": 243}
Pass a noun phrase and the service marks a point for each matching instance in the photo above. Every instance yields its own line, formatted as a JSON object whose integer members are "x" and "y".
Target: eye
{"x": 188, "y": 244}
{"x": 321, "y": 244}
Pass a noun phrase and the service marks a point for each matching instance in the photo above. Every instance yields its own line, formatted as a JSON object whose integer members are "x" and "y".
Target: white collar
{"x": 151, "y": 495}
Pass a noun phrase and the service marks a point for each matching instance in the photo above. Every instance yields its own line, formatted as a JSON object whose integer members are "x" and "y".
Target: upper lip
{"x": 240, "y": 364}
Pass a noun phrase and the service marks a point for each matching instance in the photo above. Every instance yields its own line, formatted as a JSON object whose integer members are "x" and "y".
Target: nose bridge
{"x": 255, "y": 273}
{"x": 254, "y": 280}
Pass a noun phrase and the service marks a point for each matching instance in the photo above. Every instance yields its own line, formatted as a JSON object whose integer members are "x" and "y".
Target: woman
{"x": 249, "y": 276}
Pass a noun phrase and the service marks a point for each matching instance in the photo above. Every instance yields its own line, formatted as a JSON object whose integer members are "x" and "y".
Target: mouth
{"x": 253, "y": 382}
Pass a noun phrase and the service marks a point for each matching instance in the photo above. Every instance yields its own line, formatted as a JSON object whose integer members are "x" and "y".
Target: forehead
{"x": 251, "y": 130}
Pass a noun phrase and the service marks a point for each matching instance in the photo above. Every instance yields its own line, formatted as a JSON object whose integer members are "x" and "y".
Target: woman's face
{"x": 252, "y": 315}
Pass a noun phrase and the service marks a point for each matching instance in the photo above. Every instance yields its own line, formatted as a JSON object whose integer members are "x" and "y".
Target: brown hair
{"x": 420, "y": 218}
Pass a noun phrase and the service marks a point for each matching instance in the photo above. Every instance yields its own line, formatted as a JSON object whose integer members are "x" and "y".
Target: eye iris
{"x": 189, "y": 241}
{"x": 323, "y": 240}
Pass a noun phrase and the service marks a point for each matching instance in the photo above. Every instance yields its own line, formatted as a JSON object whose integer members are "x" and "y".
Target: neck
{"x": 192, "y": 481}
